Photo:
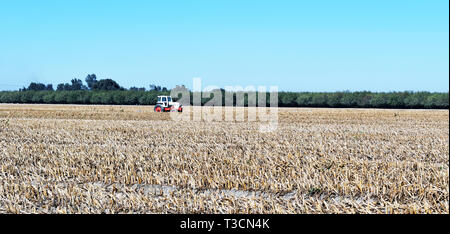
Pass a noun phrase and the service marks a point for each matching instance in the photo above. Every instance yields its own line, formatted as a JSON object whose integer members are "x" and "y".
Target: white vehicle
{"x": 166, "y": 104}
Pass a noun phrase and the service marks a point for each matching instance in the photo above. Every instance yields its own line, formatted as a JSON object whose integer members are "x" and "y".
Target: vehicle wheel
{"x": 158, "y": 109}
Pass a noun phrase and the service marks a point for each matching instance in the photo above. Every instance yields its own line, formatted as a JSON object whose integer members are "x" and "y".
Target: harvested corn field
{"x": 129, "y": 159}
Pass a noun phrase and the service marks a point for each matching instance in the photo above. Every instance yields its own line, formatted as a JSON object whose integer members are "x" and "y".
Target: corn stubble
{"x": 128, "y": 159}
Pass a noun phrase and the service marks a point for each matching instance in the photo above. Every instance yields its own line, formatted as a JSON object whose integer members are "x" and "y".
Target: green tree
{"x": 287, "y": 99}
{"x": 303, "y": 99}
{"x": 106, "y": 84}
{"x": 91, "y": 80}
{"x": 319, "y": 100}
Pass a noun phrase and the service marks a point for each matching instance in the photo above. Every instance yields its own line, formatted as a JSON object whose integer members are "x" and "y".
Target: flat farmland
{"x": 129, "y": 159}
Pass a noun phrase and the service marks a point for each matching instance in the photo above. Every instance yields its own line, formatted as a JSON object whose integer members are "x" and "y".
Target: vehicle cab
{"x": 164, "y": 101}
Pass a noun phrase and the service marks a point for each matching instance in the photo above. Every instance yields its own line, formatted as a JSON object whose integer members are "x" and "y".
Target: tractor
{"x": 166, "y": 104}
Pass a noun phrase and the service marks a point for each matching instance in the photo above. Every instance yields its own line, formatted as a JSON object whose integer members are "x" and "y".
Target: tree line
{"x": 92, "y": 84}
{"x": 285, "y": 99}
{"x": 108, "y": 91}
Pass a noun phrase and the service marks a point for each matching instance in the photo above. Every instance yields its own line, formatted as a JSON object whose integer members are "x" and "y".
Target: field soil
{"x": 129, "y": 159}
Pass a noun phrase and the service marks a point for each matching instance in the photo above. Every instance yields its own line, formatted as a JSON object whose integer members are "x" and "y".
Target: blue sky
{"x": 297, "y": 45}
